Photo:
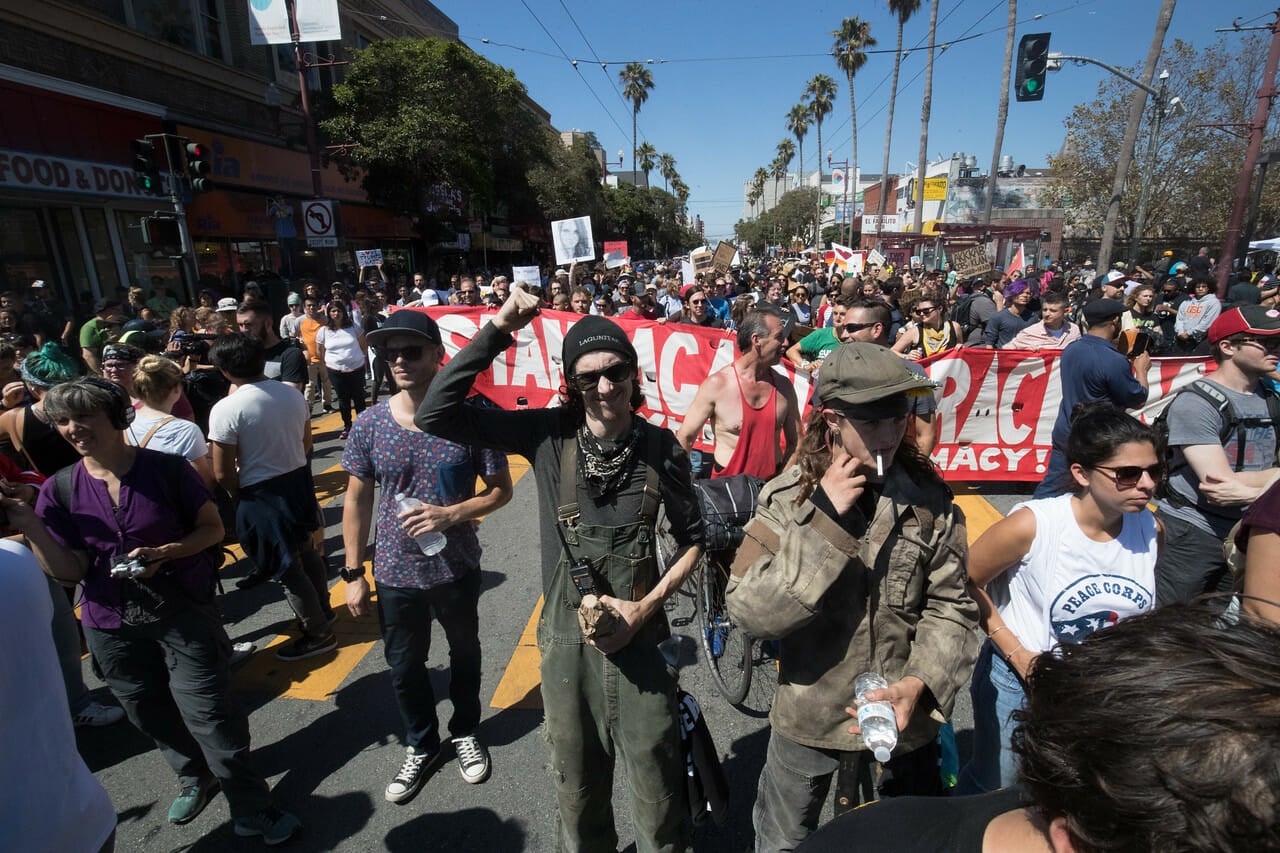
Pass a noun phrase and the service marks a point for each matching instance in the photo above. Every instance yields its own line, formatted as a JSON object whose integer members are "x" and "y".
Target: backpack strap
{"x": 652, "y": 489}
{"x": 146, "y": 439}
{"x": 62, "y": 485}
{"x": 568, "y": 511}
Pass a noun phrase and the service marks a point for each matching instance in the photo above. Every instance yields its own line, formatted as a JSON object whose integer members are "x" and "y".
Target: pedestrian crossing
{"x": 319, "y": 678}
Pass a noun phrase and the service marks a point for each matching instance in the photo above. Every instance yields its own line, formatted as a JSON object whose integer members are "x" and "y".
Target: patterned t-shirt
{"x": 434, "y": 471}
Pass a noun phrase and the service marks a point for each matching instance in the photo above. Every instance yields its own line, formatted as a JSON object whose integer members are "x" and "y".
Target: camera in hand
{"x": 123, "y": 566}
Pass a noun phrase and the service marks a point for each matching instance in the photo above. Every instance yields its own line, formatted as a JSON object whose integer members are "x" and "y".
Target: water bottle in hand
{"x": 432, "y": 542}
{"x": 875, "y": 719}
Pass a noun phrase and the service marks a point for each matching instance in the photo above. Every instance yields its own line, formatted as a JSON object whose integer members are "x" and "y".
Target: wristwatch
{"x": 349, "y": 574}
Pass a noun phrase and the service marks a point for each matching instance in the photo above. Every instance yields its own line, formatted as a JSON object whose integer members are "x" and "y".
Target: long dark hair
{"x": 814, "y": 458}
{"x": 346, "y": 314}
{"x": 1098, "y": 429}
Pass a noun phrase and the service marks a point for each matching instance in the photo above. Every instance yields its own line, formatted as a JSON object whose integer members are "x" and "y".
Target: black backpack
{"x": 962, "y": 313}
{"x": 1231, "y": 424}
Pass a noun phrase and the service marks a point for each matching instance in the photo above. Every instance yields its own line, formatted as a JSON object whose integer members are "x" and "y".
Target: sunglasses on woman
{"x": 1128, "y": 476}
{"x": 615, "y": 373}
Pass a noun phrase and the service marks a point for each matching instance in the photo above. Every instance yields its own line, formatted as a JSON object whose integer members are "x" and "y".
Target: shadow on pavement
{"x": 326, "y": 821}
{"x": 469, "y": 829}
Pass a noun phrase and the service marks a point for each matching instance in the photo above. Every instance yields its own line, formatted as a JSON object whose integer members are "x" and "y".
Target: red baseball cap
{"x": 1246, "y": 320}
{"x": 687, "y": 289}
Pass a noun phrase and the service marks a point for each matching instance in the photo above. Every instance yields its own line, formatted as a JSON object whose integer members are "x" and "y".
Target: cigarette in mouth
{"x": 879, "y": 465}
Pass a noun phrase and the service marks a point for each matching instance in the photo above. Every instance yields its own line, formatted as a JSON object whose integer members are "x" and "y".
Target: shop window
{"x": 24, "y": 249}
{"x": 196, "y": 25}
{"x": 142, "y": 267}
{"x": 79, "y": 283}
{"x": 104, "y": 261}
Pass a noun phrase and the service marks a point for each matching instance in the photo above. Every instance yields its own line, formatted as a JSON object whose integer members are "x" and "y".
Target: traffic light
{"x": 198, "y": 167}
{"x": 1033, "y": 62}
{"x": 163, "y": 234}
{"x": 146, "y": 169}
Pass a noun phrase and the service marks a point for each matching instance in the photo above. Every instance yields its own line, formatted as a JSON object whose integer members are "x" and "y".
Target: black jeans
{"x": 348, "y": 387}
{"x": 382, "y": 373}
{"x": 172, "y": 679}
{"x": 405, "y": 617}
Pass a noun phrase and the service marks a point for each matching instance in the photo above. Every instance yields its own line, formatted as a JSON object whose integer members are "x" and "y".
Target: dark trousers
{"x": 348, "y": 387}
{"x": 405, "y": 616}
{"x": 1190, "y": 563}
{"x": 382, "y": 373}
{"x": 172, "y": 679}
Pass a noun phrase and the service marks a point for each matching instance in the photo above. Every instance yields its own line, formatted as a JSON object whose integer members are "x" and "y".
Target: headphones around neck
{"x": 121, "y": 411}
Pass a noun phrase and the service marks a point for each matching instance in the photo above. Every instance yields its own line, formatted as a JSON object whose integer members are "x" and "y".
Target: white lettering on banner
{"x": 22, "y": 170}
{"x": 995, "y": 414}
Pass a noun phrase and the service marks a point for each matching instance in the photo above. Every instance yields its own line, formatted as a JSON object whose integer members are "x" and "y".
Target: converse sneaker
{"x": 473, "y": 759}
{"x": 306, "y": 647}
{"x": 413, "y": 773}
{"x": 96, "y": 714}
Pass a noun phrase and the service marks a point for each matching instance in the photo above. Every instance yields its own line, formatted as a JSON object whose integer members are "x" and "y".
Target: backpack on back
{"x": 962, "y": 313}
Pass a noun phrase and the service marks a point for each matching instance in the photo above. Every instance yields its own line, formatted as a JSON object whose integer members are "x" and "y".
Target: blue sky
{"x": 725, "y": 74}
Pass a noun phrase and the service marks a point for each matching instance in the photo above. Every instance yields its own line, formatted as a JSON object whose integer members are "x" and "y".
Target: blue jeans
{"x": 997, "y": 692}
{"x": 405, "y": 615}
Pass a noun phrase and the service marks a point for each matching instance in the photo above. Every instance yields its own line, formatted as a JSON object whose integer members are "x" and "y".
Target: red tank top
{"x": 757, "y": 450}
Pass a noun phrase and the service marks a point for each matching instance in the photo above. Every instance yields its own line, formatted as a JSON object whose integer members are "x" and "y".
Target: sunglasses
{"x": 1269, "y": 345}
{"x": 409, "y": 353}
{"x": 615, "y": 373}
{"x": 925, "y": 312}
{"x": 850, "y": 328}
{"x": 1128, "y": 476}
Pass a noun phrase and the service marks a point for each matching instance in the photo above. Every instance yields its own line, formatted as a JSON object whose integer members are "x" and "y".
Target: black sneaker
{"x": 473, "y": 759}
{"x": 275, "y": 826}
{"x": 307, "y": 647}
{"x": 413, "y": 773}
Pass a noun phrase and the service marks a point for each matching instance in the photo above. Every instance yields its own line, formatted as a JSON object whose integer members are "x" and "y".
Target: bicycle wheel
{"x": 665, "y": 546}
{"x": 727, "y": 648}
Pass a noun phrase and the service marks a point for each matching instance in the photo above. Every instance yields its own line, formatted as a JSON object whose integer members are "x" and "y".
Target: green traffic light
{"x": 146, "y": 183}
{"x": 1031, "y": 85}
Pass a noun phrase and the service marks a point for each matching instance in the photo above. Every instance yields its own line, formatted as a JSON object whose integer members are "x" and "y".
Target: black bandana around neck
{"x": 603, "y": 465}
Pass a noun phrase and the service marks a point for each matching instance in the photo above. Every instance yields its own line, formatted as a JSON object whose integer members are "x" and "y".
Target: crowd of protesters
{"x": 134, "y": 443}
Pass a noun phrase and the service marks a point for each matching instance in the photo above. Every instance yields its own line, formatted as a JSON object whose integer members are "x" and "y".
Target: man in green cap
{"x": 856, "y": 559}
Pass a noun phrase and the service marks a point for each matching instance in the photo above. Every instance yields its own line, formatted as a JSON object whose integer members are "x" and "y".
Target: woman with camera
{"x": 133, "y": 526}
{"x": 1058, "y": 569}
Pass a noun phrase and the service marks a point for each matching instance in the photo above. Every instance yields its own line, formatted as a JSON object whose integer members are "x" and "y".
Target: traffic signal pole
{"x": 313, "y": 145}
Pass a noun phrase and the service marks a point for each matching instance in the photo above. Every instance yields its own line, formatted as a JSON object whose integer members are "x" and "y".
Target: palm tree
{"x": 904, "y": 9}
{"x": 851, "y": 38}
{"x": 926, "y": 106}
{"x": 798, "y": 124}
{"x": 1002, "y": 111}
{"x": 636, "y": 83}
{"x": 786, "y": 151}
{"x": 666, "y": 168}
{"x": 821, "y": 93}
{"x": 757, "y": 183}
{"x": 646, "y": 153}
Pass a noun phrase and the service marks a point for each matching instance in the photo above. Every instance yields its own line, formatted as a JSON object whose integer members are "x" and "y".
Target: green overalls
{"x": 599, "y": 706}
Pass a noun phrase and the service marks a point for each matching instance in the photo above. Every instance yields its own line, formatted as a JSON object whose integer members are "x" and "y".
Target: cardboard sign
{"x": 723, "y": 257}
{"x": 970, "y": 262}
{"x": 687, "y": 273}
{"x": 703, "y": 262}
{"x": 368, "y": 257}
{"x": 874, "y": 257}
{"x": 527, "y": 275}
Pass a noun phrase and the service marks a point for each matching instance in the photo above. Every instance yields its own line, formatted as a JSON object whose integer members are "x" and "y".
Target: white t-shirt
{"x": 341, "y": 347}
{"x": 176, "y": 436}
{"x": 1068, "y": 586}
{"x": 266, "y": 422}
{"x": 48, "y": 798}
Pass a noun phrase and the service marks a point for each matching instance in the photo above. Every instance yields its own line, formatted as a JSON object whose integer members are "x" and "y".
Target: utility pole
{"x": 1149, "y": 168}
{"x": 308, "y": 120}
{"x": 1266, "y": 94}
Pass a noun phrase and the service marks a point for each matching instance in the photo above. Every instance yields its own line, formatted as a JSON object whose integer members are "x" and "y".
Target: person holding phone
{"x": 855, "y": 559}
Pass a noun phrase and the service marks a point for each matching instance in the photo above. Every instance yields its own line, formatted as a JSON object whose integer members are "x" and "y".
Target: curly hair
{"x": 814, "y": 457}
{"x": 1158, "y": 734}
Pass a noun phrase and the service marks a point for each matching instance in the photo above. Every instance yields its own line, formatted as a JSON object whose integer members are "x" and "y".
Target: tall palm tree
{"x": 636, "y": 83}
{"x": 757, "y": 183}
{"x": 853, "y": 36}
{"x": 903, "y": 9}
{"x": 926, "y": 106}
{"x": 786, "y": 151}
{"x": 666, "y": 168}
{"x": 821, "y": 92}
{"x": 1002, "y": 111}
{"x": 647, "y": 154}
{"x": 798, "y": 124}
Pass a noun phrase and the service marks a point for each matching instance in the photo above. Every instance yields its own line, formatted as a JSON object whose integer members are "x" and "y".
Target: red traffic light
{"x": 197, "y": 151}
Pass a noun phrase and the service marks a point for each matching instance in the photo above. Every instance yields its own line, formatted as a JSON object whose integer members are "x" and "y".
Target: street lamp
{"x": 1148, "y": 173}
{"x": 844, "y": 203}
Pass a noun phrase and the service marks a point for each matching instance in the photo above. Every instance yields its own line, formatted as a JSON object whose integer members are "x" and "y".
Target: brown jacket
{"x": 891, "y": 602}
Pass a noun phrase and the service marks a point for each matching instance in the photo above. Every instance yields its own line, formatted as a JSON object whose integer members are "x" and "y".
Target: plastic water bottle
{"x": 433, "y": 541}
{"x": 875, "y": 719}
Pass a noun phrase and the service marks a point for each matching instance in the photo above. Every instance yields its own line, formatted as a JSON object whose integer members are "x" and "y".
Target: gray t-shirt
{"x": 982, "y": 309}
{"x": 1194, "y": 420}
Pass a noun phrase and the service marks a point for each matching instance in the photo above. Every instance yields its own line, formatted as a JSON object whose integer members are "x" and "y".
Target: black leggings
{"x": 348, "y": 387}
{"x": 381, "y": 372}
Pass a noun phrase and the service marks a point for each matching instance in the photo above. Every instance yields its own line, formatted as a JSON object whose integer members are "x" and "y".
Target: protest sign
{"x": 723, "y": 257}
{"x": 703, "y": 262}
{"x": 970, "y": 262}
{"x": 874, "y": 257}
{"x": 573, "y": 240}
{"x": 687, "y": 274}
{"x": 368, "y": 257}
{"x": 527, "y": 275}
{"x": 615, "y": 253}
{"x": 996, "y": 408}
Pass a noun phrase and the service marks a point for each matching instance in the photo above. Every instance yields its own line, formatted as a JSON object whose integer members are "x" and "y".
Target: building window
{"x": 195, "y": 25}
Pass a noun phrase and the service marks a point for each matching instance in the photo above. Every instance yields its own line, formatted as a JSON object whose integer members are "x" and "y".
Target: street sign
{"x": 319, "y": 223}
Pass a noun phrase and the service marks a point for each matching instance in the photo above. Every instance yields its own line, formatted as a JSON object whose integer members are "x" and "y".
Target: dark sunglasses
{"x": 615, "y": 373}
{"x": 1128, "y": 476}
{"x": 850, "y": 328}
{"x": 925, "y": 312}
{"x": 409, "y": 353}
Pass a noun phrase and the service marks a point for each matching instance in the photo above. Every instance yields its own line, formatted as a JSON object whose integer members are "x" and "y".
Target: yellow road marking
{"x": 521, "y": 682}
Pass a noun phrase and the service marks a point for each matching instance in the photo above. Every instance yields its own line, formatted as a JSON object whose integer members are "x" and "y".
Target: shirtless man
{"x": 752, "y": 409}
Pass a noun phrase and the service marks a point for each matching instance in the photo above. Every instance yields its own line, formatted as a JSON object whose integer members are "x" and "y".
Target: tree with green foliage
{"x": 648, "y": 158}
{"x": 787, "y": 223}
{"x": 852, "y": 40}
{"x": 650, "y": 219}
{"x": 666, "y": 168}
{"x": 786, "y": 152}
{"x": 567, "y": 185}
{"x": 798, "y": 124}
{"x": 636, "y": 83}
{"x": 821, "y": 93}
{"x": 427, "y": 112}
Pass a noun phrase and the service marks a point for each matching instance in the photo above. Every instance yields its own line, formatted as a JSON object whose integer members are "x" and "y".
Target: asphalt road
{"x": 325, "y": 730}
